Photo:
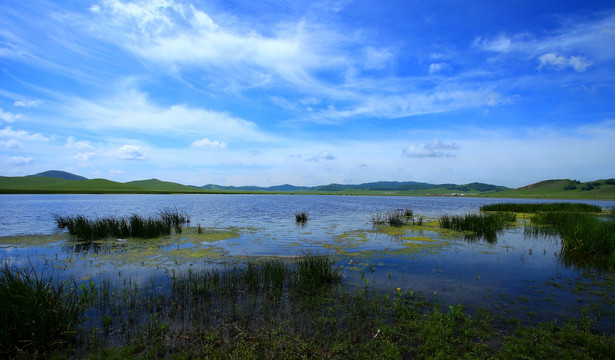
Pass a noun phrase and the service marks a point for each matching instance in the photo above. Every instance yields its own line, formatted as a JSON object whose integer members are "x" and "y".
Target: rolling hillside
{"x": 59, "y": 175}
{"x": 565, "y": 189}
{"x": 64, "y": 182}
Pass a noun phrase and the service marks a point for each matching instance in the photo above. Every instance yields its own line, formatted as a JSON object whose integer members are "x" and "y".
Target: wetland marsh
{"x": 214, "y": 281}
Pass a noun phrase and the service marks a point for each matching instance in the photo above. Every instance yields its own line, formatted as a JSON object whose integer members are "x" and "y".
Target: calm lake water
{"x": 516, "y": 273}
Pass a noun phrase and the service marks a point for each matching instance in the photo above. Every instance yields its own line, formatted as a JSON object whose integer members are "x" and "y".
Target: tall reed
{"x": 132, "y": 226}
{"x": 37, "y": 313}
{"x": 542, "y": 207}
{"x": 486, "y": 226}
{"x": 301, "y": 217}
{"x": 581, "y": 233}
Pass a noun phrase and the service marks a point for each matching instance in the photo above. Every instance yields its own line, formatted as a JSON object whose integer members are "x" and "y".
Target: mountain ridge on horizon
{"x": 374, "y": 185}
{"x": 62, "y": 182}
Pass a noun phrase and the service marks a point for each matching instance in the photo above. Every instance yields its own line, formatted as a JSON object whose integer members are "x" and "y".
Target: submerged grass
{"x": 134, "y": 226}
{"x": 393, "y": 218}
{"x": 306, "y": 273}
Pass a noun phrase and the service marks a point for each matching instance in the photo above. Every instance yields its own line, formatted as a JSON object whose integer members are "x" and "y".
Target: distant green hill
{"x": 405, "y": 187}
{"x": 33, "y": 184}
{"x": 565, "y": 189}
{"x": 63, "y": 182}
{"x": 59, "y": 175}
{"x": 156, "y": 185}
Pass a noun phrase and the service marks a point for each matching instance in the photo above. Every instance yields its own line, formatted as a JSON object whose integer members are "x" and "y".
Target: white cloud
{"x": 11, "y": 144}
{"x": 27, "y": 103}
{"x": 22, "y": 135}
{"x": 85, "y": 157}
{"x": 500, "y": 43}
{"x": 324, "y": 155}
{"x": 438, "y": 67}
{"x": 430, "y": 149}
{"x": 8, "y": 116}
{"x": 209, "y": 144}
{"x": 71, "y": 143}
{"x": 130, "y": 152}
{"x": 19, "y": 160}
{"x": 578, "y": 63}
{"x": 437, "y": 144}
{"x": 377, "y": 59}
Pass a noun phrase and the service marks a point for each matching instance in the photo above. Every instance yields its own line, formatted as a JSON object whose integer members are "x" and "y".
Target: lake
{"x": 517, "y": 274}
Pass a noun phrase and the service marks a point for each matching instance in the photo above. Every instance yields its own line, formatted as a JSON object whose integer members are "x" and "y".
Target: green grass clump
{"x": 133, "y": 226}
{"x": 582, "y": 234}
{"x": 314, "y": 271}
{"x": 542, "y": 207}
{"x": 486, "y": 226}
{"x": 301, "y": 217}
{"x": 36, "y": 313}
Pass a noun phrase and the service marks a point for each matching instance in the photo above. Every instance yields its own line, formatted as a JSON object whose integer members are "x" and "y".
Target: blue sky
{"x": 309, "y": 92}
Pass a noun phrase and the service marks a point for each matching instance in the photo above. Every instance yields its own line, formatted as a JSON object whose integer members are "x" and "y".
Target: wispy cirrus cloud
{"x": 131, "y": 110}
{"x": 412, "y": 104}
{"x": 581, "y": 42}
{"x": 173, "y": 33}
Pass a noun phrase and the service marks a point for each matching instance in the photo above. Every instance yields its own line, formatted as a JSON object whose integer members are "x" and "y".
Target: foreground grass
{"x": 36, "y": 313}
{"x": 288, "y": 309}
